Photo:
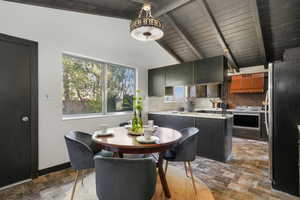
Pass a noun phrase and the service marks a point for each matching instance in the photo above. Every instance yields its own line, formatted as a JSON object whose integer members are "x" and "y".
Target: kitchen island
{"x": 215, "y": 130}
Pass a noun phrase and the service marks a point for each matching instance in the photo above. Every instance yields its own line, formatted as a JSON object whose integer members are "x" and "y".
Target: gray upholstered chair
{"x": 184, "y": 151}
{"x": 125, "y": 179}
{"x": 82, "y": 150}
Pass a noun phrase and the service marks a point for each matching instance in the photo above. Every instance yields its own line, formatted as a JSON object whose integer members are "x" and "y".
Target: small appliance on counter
{"x": 189, "y": 105}
{"x": 216, "y": 103}
{"x": 180, "y": 109}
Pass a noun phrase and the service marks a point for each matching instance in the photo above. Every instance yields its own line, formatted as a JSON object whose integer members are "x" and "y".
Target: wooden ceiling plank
{"x": 212, "y": 21}
{"x": 256, "y": 19}
{"x": 170, "y": 51}
{"x": 183, "y": 35}
{"x": 171, "y": 6}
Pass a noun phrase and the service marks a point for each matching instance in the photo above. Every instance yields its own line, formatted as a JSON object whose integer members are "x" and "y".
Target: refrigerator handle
{"x": 266, "y": 112}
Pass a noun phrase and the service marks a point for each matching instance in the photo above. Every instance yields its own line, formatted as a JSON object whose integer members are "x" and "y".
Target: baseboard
{"x": 54, "y": 168}
{"x": 14, "y": 184}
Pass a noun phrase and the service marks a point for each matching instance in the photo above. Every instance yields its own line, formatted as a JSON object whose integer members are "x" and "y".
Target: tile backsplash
{"x": 159, "y": 104}
{"x": 247, "y": 99}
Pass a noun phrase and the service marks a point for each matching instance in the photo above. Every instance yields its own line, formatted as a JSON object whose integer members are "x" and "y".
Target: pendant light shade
{"x": 146, "y": 27}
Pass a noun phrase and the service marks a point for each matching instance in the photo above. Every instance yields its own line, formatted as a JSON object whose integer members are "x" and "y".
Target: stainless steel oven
{"x": 250, "y": 121}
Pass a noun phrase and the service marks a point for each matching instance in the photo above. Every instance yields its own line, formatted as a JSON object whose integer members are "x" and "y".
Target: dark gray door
{"x": 16, "y": 139}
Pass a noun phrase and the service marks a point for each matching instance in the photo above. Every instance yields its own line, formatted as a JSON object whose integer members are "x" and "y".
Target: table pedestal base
{"x": 162, "y": 176}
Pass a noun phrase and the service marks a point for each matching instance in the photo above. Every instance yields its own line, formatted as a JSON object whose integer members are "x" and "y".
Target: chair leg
{"x": 166, "y": 166}
{"x": 192, "y": 175}
{"x": 82, "y": 179}
{"x": 186, "y": 170}
{"x": 75, "y": 183}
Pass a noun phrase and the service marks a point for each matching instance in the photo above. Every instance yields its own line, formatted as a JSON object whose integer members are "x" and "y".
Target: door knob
{"x": 25, "y": 119}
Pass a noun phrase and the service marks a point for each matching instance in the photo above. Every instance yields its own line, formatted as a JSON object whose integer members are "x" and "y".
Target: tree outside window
{"x": 120, "y": 88}
{"x": 87, "y": 81}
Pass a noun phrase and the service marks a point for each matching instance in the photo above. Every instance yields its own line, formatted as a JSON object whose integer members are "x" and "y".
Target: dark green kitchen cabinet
{"x": 156, "y": 82}
{"x": 215, "y": 138}
{"x": 209, "y": 70}
{"x": 180, "y": 74}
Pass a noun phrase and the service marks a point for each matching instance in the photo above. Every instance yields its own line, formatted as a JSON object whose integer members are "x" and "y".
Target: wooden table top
{"x": 122, "y": 142}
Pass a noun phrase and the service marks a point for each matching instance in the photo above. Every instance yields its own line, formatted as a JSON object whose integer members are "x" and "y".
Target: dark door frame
{"x": 33, "y": 97}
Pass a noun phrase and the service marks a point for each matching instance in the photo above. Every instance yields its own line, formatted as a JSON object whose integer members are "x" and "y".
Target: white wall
{"x": 57, "y": 31}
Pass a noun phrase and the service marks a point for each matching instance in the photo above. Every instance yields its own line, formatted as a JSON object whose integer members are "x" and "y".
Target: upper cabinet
{"x": 247, "y": 83}
{"x": 180, "y": 74}
{"x": 209, "y": 70}
{"x": 156, "y": 82}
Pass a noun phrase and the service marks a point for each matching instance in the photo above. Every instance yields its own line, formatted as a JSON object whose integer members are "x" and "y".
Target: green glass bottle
{"x": 134, "y": 122}
{"x": 140, "y": 121}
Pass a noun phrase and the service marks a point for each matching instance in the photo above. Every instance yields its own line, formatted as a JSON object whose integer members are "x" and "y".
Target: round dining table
{"x": 122, "y": 142}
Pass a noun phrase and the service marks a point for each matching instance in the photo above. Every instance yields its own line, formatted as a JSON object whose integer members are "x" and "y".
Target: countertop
{"x": 194, "y": 114}
{"x": 231, "y": 110}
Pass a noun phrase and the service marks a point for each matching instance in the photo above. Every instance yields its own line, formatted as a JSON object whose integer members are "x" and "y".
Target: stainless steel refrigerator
{"x": 283, "y": 117}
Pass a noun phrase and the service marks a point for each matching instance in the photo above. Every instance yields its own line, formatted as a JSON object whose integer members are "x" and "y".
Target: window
{"x": 120, "y": 88}
{"x": 179, "y": 93}
{"x": 93, "y": 87}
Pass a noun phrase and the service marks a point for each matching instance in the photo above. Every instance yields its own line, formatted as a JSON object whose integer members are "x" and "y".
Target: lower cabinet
{"x": 215, "y": 135}
{"x": 247, "y": 133}
{"x": 215, "y": 138}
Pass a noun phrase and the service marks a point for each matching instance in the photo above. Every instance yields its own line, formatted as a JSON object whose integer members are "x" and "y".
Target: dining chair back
{"x": 125, "y": 179}
{"x": 184, "y": 151}
{"x": 186, "y": 148}
{"x": 81, "y": 150}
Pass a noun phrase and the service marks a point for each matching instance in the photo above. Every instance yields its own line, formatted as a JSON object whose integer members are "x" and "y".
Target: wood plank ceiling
{"x": 248, "y": 32}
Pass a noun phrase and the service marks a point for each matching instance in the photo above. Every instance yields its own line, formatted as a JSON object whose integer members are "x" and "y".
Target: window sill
{"x": 90, "y": 116}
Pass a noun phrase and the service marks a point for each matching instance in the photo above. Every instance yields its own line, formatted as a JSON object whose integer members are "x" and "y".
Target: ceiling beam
{"x": 183, "y": 35}
{"x": 169, "y": 7}
{"x": 170, "y": 51}
{"x": 256, "y": 19}
{"x": 209, "y": 16}
{"x": 77, "y": 6}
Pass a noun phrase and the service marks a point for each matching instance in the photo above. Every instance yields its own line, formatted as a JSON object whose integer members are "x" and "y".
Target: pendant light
{"x": 146, "y": 27}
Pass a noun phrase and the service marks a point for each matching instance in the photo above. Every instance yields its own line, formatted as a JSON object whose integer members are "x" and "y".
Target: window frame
{"x": 103, "y": 75}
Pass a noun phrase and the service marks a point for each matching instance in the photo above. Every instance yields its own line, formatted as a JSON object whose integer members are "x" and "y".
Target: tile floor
{"x": 245, "y": 177}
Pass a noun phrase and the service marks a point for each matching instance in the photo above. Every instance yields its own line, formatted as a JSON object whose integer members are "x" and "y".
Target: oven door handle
{"x": 246, "y": 114}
